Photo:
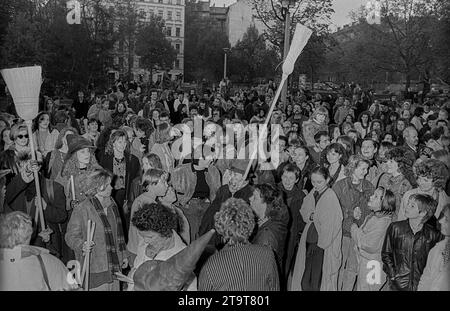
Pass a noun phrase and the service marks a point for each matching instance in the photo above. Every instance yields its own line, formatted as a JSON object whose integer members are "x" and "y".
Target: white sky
{"x": 341, "y": 7}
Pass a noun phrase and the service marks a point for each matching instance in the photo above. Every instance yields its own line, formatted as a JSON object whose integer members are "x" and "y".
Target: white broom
{"x": 301, "y": 37}
{"x": 24, "y": 84}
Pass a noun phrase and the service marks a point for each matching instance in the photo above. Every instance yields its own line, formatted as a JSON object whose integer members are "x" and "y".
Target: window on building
{"x": 161, "y": 13}
{"x": 120, "y": 62}
{"x": 177, "y": 47}
{"x": 178, "y": 15}
{"x": 177, "y": 31}
{"x": 169, "y": 15}
{"x": 160, "y": 1}
{"x": 169, "y": 31}
{"x": 177, "y": 64}
{"x": 178, "y": 2}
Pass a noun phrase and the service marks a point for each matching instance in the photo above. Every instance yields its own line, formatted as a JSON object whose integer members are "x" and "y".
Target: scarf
{"x": 111, "y": 251}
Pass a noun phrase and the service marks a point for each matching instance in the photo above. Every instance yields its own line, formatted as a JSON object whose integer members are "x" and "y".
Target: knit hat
{"x": 239, "y": 166}
{"x": 77, "y": 142}
{"x": 174, "y": 273}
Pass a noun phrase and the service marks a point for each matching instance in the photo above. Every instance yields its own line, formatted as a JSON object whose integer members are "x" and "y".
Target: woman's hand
{"x": 88, "y": 247}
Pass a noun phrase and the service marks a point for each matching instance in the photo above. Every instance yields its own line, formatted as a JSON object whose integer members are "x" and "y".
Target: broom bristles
{"x": 24, "y": 84}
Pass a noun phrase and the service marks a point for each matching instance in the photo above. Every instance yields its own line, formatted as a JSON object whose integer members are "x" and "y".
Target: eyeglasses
{"x": 22, "y": 136}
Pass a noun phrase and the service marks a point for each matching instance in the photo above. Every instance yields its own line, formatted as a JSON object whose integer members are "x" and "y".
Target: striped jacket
{"x": 240, "y": 268}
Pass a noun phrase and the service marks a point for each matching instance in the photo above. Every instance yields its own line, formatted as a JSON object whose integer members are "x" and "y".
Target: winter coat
{"x": 327, "y": 218}
{"x": 273, "y": 234}
{"x": 18, "y": 192}
{"x": 294, "y": 200}
{"x": 184, "y": 181}
{"x": 369, "y": 240}
{"x": 133, "y": 169}
{"x": 350, "y": 197}
{"x": 76, "y": 235}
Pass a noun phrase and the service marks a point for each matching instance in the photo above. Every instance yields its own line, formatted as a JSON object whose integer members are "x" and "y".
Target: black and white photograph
{"x": 227, "y": 151}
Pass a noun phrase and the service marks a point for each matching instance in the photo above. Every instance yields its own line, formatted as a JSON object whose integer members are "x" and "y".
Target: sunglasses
{"x": 22, "y": 136}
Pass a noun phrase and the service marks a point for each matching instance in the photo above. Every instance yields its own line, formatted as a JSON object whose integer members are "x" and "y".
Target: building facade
{"x": 173, "y": 14}
{"x": 240, "y": 16}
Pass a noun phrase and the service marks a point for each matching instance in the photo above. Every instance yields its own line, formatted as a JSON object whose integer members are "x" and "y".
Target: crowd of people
{"x": 358, "y": 201}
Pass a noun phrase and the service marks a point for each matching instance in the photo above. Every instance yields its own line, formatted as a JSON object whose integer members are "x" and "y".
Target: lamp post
{"x": 226, "y": 50}
{"x": 287, "y": 35}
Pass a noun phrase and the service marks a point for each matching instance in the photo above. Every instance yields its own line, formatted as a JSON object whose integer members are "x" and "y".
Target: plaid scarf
{"x": 111, "y": 250}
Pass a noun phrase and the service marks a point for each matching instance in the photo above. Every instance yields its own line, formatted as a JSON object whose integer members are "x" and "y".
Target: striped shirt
{"x": 240, "y": 268}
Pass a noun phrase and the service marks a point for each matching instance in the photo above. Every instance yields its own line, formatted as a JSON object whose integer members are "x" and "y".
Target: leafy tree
{"x": 204, "y": 44}
{"x": 153, "y": 47}
{"x": 314, "y": 14}
{"x": 251, "y": 59}
{"x": 403, "y": 42}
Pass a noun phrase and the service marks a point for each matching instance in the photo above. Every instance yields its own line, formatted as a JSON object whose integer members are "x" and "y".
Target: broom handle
{"x": 275, "y": 99}
{"x": 36, "y": 175}
{"x": 89, "y": 255}
{"x": 83, "y": 272}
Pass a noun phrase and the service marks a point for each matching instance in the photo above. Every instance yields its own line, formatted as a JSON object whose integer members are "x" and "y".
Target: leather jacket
{"x": 405, "y": 255}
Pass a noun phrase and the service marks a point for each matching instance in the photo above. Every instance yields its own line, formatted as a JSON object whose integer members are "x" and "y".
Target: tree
{"x": 251, "y": 59}
{"x": 314, "y": 14}
{"x": 403, "y": 42}
{"x": 153, "y": 47}
{"x": 128, "y": 24}
{"x": 204, "y": 44}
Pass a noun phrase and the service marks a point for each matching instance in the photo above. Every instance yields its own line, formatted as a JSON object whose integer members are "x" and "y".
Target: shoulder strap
{"x": 44, "y": 271}
{"x": 50, "y": 191}
{"x": 379, "y": 179}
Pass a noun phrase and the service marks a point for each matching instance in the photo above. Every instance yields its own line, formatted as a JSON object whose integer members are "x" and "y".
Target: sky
{"x": 341, "y": 7}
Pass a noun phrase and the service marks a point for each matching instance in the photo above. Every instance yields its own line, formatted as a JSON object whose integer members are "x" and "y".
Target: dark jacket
{"x": 294, "y": 200}
{"x": 351, "y": 197}
{"x": 18, "y": 192}
{"x": 273, "y": 234}
{"x": 133, "y": 168}
{"x": 405, "y": 255}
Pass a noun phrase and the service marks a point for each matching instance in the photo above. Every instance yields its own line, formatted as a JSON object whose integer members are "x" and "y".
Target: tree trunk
{"x": 408, "y": 82}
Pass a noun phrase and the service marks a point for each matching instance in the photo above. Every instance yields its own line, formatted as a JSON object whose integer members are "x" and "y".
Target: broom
{"x": 24, "y": 84}
{"x": 301, "y": 37}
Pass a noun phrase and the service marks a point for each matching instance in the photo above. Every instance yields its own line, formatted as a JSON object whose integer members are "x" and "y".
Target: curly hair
{"x": 95, "y": 181}
{"x": 72, "y": 167}
{"x": 119, "y": 133}
{"x": 405, "y": 160}
{"x": 235, "y": 221}
{"x": 434, "y": 169}
{"x": 155, "y": 217}
{"x": 15, "y": 229}
{"x": 353, "y": 163}
{"x": 274, "y": 200}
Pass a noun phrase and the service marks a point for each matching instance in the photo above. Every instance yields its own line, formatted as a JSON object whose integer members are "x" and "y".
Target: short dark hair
{"x": 426, "y": 204}
{"x": 321, "y": 171}
{"x": 320, "y": 134}
{"x": 155, "y": 217}
{"x": 291, "y": 168}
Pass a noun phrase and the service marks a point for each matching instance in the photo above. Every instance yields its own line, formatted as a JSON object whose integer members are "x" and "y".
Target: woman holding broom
{"x": 107, "y": 248}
